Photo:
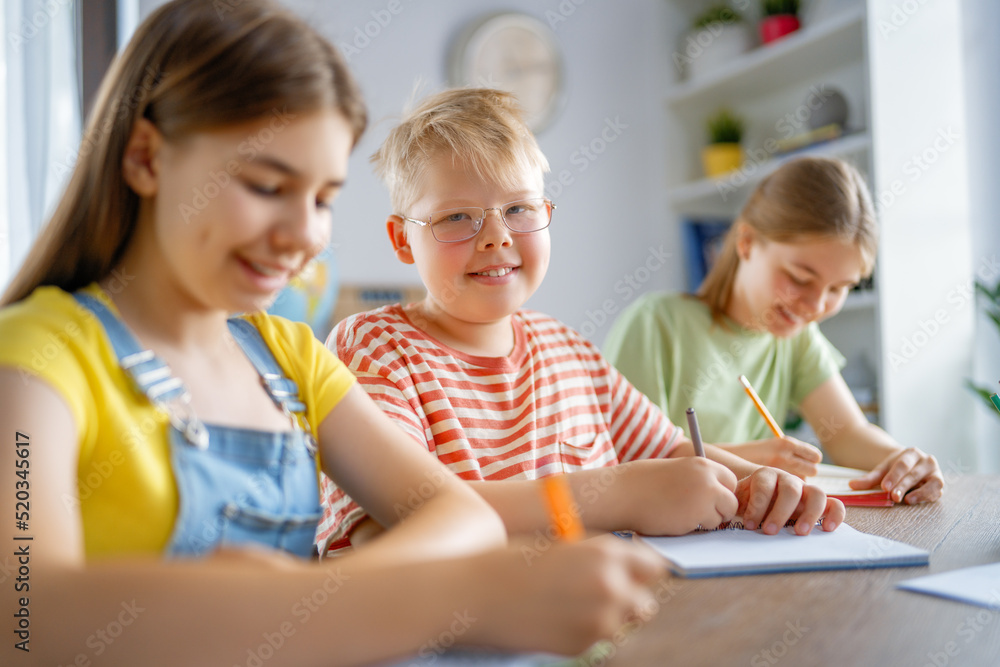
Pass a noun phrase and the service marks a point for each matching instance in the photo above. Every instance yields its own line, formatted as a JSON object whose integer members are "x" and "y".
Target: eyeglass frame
{"x": 479, "y": 223}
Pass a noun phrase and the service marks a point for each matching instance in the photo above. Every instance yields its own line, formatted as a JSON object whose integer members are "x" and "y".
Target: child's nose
{"x": 305, "y": 227}
{"x": 494, "y": 233}
{"x": 815, "y": 302}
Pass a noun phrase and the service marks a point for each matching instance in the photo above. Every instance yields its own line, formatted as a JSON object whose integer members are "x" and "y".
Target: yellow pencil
{"x": 762, "y": 408}
{"x": 562, "y": 509}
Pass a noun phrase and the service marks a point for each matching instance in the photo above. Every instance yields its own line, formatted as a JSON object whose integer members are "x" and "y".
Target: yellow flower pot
{"x": 719, "y": 159}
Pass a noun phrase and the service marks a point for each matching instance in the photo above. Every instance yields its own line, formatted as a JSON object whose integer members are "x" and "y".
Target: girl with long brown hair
{"x": 166, "y": 453}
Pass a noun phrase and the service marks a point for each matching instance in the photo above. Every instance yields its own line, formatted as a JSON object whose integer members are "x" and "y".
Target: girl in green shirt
{"x": 806, "y": 236}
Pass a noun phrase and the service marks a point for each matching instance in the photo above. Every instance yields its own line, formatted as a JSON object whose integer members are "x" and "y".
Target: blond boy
{"x": 505, "y": 396}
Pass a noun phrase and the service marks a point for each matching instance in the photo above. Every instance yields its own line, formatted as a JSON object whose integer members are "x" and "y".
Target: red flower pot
{"x": 776, "y": 27}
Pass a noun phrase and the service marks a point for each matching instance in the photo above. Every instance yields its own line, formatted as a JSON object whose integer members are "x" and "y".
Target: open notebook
{"x": 733, "y": 551}
{"x": 834, "y": 482}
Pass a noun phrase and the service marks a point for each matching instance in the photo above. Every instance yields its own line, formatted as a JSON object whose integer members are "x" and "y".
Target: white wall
{"x": 982, "y": 87}
{"x": 921, "y": 144}
{"x": 609, "y": 221}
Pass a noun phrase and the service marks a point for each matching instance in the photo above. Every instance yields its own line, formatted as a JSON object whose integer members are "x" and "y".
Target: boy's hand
{"x": 910, "y": 473}
{"x": 675, "y": 496}
{"x": 797, "y": 457}
{"x": 771, "y": 497}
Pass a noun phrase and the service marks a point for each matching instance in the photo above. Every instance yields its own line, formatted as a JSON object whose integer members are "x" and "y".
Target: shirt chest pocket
{"x": 586, "y": 450}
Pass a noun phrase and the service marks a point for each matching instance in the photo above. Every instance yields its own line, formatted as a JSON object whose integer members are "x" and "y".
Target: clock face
{"x": 516, "y": 53}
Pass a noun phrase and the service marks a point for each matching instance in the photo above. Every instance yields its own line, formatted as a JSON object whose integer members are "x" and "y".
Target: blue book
{"x": 702, "y": 240}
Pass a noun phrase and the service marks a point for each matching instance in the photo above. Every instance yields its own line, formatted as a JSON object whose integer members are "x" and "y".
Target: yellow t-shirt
{"x": 127, "y": 496}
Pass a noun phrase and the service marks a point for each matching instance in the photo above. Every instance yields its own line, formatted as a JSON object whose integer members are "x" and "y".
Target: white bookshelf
{"x": 763, "y": 86}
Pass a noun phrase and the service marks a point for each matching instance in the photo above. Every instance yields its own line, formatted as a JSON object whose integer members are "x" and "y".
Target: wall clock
{"x": 514, "y": 52}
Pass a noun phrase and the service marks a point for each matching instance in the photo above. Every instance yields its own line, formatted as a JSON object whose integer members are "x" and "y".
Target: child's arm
{"x": 381, "y": 467}
{"x": 348, "y": 610}
{"x": 851, "y": 440}
{"x": 654, "y": 497}
{"x": 787, "y": 453}
{"x": 770, "y": 497}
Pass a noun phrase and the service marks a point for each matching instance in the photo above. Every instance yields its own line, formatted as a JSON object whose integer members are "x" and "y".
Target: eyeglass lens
{"x": 458, "y": 224}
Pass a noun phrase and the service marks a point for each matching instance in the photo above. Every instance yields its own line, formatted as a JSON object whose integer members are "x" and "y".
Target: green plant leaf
{"x": 717, "y": 14}
{"x": 724, "y": 127}
{"x": 776, "y": 7}
{"x": 984, "y": 393}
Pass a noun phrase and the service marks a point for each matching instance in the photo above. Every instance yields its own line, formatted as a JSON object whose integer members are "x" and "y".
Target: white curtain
{"x": 40, "y": 116}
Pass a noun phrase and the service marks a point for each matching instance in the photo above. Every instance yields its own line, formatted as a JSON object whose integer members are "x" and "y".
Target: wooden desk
{"x": 842, "y": 618}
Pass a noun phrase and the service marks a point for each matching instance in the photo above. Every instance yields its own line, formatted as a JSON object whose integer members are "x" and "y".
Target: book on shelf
{"x": 702, "y": 240}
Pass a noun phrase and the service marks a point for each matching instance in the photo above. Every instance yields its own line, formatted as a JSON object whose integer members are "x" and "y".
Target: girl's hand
{"x": 562, "y": 597}
{"x": 771, "y": 497}
{"x": 910, "y": 476}
{"x": 674, "y": 496}
{"x": 797, "y": 457}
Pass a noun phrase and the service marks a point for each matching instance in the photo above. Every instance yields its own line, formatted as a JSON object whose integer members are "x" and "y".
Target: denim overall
{"x": 235, "y": 486}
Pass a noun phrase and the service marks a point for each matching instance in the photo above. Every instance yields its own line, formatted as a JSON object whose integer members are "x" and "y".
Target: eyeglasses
{"x": 461, "y": 224}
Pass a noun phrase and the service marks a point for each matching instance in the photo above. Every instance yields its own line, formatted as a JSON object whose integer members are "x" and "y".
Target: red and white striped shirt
{"x": 553, "y": 405}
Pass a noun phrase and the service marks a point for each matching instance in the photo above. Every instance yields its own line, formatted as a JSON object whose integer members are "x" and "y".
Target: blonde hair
{"x": 191, "y": 66}
{"x": 804, "y": 199}
{"x": 481, "y": 127}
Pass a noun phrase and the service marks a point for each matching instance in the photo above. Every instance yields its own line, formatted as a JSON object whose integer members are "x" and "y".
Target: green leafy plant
{"x": 724, "y": 127}
{"x": 991, "y": 298}
{"x": 776, "y": 7}
{"x": 717, "y": 14}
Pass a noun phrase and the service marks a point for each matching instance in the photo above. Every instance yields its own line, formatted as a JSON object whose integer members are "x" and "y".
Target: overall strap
{"x": 282, "y": 390}
{"x": 151, "y": 376}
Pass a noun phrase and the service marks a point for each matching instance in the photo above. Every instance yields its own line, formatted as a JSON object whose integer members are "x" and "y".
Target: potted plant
{"x": 780, "y": 18}
{"x": 991, "y": 297}
{"x": 717, "y": 36}
{"x": 723, "y": 153}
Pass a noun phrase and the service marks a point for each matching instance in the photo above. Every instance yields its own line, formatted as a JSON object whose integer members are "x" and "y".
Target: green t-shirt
{"x": 668, "y": 347}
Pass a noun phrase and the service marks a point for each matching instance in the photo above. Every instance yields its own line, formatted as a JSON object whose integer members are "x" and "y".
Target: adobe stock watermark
{"x": 627, "y": 287}
{"x": 696, "y": 42}
{"x": 916, "y": 166}
{"x": 123, "y": 106}
{"x": 102, "y": 638}
{"x": 788, "y": 125}
{"x": 773, "y": 654}
{"x": 562, "y": 12}
{"x": 416, "y": 497}
{"x": 39, "y": 19}
{"x": 603, "y": 651}
{"x": 899, "y": 16}
{"x": 966, "y": 632}
{"x": 590, "y": 492}
{"x": 248, "y": 150}
{"x": 957, "y": 299}
{"x": 303, "y": 610}
{"x": 724, "y": 363}
{"x": 54, "y": 344}
{"x": 364, "y": 35}
{"x": 585, "y": 155}
{"x": 460, "y": 624}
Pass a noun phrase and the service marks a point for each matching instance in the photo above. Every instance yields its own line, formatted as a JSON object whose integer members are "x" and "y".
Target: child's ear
{"x": 396, "y": 227}
{"x": 745, "y": 237}
{"x": 140, "y": 162}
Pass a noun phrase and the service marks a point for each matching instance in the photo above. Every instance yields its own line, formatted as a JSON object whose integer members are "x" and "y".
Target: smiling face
{"x": 781, "y": 287}
{"x": 232, "y": 215}
{"x": 482, "y": 280}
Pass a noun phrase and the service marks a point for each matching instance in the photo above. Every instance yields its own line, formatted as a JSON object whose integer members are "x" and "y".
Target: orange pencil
{"x": 762, "y": 408}
{"x": 562, "y": 509}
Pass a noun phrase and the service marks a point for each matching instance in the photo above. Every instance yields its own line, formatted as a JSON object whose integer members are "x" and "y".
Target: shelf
{"x": 742, "y": 180}
{"x": 834, "y": 42}
{"x": 860, "y": 300}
